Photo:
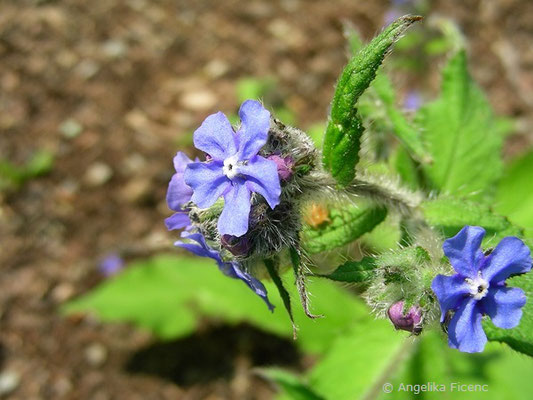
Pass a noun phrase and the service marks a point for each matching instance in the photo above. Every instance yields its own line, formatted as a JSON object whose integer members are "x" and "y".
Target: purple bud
{"x": 111, "y": 265}
{"x": 409, "y": 321}
{"x": 238, "y": 246}
{"x": 284, "y": 166}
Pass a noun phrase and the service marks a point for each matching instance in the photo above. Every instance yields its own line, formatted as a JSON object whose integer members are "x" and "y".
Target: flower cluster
{"x": 478, "y": 288}
{"x": 234, "y": 169}
{"x": 242, "y": 206}
{"x": 233, "y": 205}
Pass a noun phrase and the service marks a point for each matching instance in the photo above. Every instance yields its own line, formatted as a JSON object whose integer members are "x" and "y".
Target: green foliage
{"x": 360, "y": 362}
{"x": 254, "y": 88}
{"x": 405, "y": 166}
{"x": 272, "y": 269}
{"x": 316, "y": 132}
{"x": 353, "y": 271}
{"x": 344, "y": 130}
{"x": 14, "y": 176}
{"x": 170, "y": 295}
{"x": 357, "y": 361}
{"x": 519, "y": 338}
{"x": 514, "y": 195}
{"x": 345, "y": 226}
{"x": 461, "y": 135}
{"x": 408, "y": 135}
{"x": 291, "y": 385}
{"x": 451, "y": 214}
{"x": 505, "y": 373}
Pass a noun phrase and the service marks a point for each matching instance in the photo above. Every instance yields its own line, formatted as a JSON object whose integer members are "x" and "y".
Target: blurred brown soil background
{"x": 113, "y": 88}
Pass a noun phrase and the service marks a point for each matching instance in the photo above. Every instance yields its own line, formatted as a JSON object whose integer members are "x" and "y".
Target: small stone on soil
{"x": 96, "y": 354}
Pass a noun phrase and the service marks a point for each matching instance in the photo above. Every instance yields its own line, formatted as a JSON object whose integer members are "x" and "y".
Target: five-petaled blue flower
{"x": 178, "y": 194}
{"x": 478, "y": 288}
{"x": 231, "y": 268}
{"x": 234, "y": 169}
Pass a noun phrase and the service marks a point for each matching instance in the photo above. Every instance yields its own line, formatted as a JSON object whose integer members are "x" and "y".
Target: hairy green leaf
{"x": 452, "y": 214}
{"x": 514, "y": 195}
{"x": 521, "y": 337}
{"x": 344, "y": 130}
{"x": 461, "y": 135}
{"x": 353, "y": 271}
{"x": 345, "y": 226}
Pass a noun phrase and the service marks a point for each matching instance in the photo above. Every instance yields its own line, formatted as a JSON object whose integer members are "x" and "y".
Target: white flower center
{"x": 231, "y": 167}
{"x": 479, "y": 287}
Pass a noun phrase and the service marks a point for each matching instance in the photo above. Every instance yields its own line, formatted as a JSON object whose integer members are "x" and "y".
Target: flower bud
{"x": 238, "y": 246}
{"x": 409, "y": 321}
{"x": 284, "y": 164}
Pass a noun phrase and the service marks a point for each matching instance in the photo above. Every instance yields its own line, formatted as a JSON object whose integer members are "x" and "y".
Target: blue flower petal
{"x": 262, "y": 177}
{"x": 234, "y": 217}
{"x": 200, "y": 249}
{"x": 464, "y": 251}
{"x": 178, "y": 220}
{"x": 216, "y": 137}
{"x": 207, "y": 181}
{"x": 230, "y": 269}
{"x": 465, "y": 331}
{"x": 181, "y": 160}
{"x": 253, "y": 133}
{"x": 233, "y": 270}
{"x": 504, "y": 306}
{"x": 450, "y": 291}
{"x": 178, "y": 192}
{"x": 511, "y": 256}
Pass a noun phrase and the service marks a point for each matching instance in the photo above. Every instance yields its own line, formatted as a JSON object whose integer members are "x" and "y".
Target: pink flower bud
{"x": 238, "y": 246}
{"x": 409, "y": 321}
{"x": 284, "y": 164}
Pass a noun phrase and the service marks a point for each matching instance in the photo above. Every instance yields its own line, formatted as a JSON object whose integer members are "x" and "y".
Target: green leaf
{"x": 521, "y": 337}
{"x": 406, "y": 168}
{"x": 345, "y": 226}
{"x": 272, "y": 269}
{"x": 344, "y": 130}
{"x": 170, "y": 295}
{"x": 13, "y": 175}
{"x": 290, "y": 384}
{"x": 452, "y": 214}
{"x": 40, "y": 164}
{"x": 357, "y": 361}
{"x": 461, "y": 135}
{"x": 353, "y": 271}
{"x": 514, "y": 195}
{"x": 505, "y": 373}
{"x": 407, "y": 134}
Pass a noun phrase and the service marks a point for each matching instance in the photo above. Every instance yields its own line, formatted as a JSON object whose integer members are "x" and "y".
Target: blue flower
{"x": 234, "y": 169}
{"x": 111, "y": 265}
{"x": 178, "y": 194}
{"x": 413, "y": 101}
{"x": 231, "y": 269}
{"x": 478, "y": 288}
